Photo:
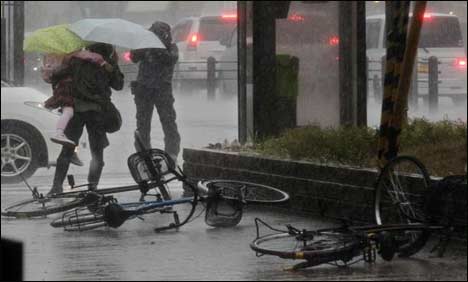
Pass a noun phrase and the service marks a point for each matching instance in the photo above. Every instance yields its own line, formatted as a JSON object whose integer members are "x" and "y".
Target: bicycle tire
{"x": 36, "y": 207}
{"x": 403, "y": 182}
{"x": 77, "y": 200}
{"x": 326, "y": 246}
{"x": 252, "y": 192}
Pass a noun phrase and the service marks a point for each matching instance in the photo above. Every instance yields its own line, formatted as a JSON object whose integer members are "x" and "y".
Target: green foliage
{"x": 441, "y": 146}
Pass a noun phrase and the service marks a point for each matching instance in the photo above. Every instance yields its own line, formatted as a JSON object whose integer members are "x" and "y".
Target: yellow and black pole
{"x": 401, "y": 53}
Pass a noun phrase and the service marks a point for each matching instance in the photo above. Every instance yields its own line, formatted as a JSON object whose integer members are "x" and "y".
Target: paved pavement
{"x": 195, "y": 252}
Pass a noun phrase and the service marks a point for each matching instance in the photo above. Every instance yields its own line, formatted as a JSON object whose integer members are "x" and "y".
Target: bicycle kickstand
{"x": 175, "y": 224}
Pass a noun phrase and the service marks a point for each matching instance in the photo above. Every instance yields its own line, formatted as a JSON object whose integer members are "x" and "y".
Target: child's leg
{"x": 67, "y": 114}
{"x": 60, "y": 138}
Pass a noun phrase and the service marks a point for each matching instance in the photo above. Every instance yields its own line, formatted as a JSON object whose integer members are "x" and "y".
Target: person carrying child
{"x": 57, "y": 71}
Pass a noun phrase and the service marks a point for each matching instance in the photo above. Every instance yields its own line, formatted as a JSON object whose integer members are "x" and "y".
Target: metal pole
{"x": 414, "y": 87}
{"x": 346, "y": 93}
{"x": 242, "y": 70}
{"x": 211, "y": 78}
{"x": 362, "y": 66}
{"x": 382, "y": 76}
{"x": 18, "y": 37}
{"x": 433, "y": 84}
{"x": 3, "y": 50}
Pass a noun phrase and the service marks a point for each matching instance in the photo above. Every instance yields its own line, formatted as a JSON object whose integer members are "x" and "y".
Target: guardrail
{"x": 425, "y": 77}
{"x": 210, "y": 67}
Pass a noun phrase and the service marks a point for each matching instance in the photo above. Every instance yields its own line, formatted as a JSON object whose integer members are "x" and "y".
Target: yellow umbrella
{"x": 55, "y": 39}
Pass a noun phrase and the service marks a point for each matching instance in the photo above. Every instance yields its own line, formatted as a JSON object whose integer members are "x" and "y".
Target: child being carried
{"x": 56, "y": 70}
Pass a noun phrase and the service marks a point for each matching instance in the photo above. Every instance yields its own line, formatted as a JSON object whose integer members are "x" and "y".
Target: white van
{"x": 198, "y": 38}
{"x": 441, "y": 37}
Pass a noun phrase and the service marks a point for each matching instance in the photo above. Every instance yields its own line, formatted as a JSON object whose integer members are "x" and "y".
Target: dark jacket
{"x": 92, "y": 84}
{"x": 157, "y": 65}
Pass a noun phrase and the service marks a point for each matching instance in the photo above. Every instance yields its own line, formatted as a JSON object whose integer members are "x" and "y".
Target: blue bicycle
{"x": 223, "y": 199}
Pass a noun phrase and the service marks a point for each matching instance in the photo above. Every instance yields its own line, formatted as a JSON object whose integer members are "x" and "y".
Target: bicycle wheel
{"x": 316, "y": 248}
{"x": 41, "y": 207}
{"x": 60, "y": 202}
{"x": 400, "y": 195}
{"x": 249, "y": 192}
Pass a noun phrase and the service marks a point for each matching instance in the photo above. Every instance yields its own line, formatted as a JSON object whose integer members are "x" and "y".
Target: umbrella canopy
{"x": 116, "y": 32}
{"x": 56, "y": 39}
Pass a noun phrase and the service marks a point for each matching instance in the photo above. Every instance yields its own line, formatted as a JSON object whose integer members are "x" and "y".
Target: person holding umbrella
{"x": 56, "y": 72}
{"x": 91, "y": 86}
{"x": 153, "y": 88}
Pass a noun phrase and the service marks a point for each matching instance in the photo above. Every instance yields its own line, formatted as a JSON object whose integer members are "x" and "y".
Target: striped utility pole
{"x": 396, "y": 23}
{"x": 401, "y": 53}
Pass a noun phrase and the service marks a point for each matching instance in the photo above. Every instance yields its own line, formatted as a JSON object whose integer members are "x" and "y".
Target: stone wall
{"x": 329, "y": 190}
{"x": 332, "y": 191}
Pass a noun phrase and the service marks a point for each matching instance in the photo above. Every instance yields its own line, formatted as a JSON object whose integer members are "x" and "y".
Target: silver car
{"x": 26, "y": 128}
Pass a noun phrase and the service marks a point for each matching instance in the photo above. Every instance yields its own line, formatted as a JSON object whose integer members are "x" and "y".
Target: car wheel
{"x": 20, "y": 153}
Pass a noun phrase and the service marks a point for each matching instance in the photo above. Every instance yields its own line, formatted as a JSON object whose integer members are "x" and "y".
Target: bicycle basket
{"x": 444, "y": 204}
{"x": 222, "y": 212}
{"x": 80, "y": 219}
{"x": 150, "y": 165}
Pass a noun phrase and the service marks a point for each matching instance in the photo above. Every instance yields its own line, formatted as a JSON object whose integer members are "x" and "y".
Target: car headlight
{"x": 41, "y": 106}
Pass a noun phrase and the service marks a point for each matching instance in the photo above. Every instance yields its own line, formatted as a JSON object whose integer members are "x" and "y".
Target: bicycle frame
{"x": 113, "y": 214}
{"x": 363, "y": 240}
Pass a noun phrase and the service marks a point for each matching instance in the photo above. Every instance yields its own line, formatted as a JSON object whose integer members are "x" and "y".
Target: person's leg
{"x": 67, "y": 115}
{"x": 60, "y": 137}
{"x": 97, "y": 142}
{"x": 73, "y": 131}
{"x": 144, "y": 115}
{"x": 164, "y": 102}
{"x": 95, "y": 167}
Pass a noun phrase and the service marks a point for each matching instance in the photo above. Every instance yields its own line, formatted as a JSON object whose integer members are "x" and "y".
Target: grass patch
{"x": 441, "y": 146}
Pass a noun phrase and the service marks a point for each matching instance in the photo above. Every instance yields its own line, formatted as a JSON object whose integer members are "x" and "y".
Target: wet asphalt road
{"x": 195, "y": 252}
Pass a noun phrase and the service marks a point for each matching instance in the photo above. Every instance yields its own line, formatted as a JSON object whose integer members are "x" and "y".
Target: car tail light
{"x": 460, "y": 63}
{"x": 193, "y": 41}
{"x": 229, "y": 16}
{"x": 334, "y": 41}
{"x": 427, "y": 16}
{"x": 127, "y": 57}
{"x": 296, "y": 18}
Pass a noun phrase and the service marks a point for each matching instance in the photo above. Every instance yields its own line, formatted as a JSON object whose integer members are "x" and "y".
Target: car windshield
{"x": 215, "y": 28}
{"x": 439, "y": 32}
